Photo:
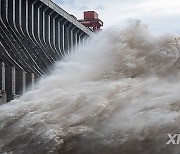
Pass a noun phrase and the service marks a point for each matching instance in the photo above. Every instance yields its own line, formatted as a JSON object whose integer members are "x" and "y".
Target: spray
{"x": 118, "y": 94}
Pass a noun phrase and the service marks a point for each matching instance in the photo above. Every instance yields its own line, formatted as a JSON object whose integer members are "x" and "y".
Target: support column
{"x": 48, "y": 12}
{"x": 10, "y": 12}
{"x": 20, "y": 81}
{"x": 75, "y": 39}
{"x": 43, "y": 23}
{"x": 24, "y": 81}
{"x": 31, "y": 17}
{"x": 17, "y": 16}
{"x": 3, "y": 76}
{"x": 70, "y": 37}
{"x": 10, "y": 82}
{"x": 53, "y": 16}
{"x": 62, "y": 36}
{"x": 13, "y": 81}
{"x": 79, "y": 34}
{"x": 24, "y": 17}
{"x": 57, "y": 34}
{"x": 2, "y": 83}
{"x": 82, "y": 38}
{"x": 66, "y": 38}
{"x": 29, "y": 81}
{"x": 33, "y": 81}
{"x": 37, "y": 20}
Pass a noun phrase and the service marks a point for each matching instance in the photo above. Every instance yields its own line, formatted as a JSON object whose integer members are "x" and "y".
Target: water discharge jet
{"x": 118, "y": 94}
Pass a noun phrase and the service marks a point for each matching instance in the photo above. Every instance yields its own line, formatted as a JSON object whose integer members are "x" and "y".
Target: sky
{"x": 160, "y": 15}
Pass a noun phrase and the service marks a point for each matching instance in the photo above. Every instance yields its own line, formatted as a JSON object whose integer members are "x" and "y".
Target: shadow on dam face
{"x": 120, "y": 95}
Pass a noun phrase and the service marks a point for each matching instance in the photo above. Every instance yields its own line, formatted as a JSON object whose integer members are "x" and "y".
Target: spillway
{"x": 118, "y": 94}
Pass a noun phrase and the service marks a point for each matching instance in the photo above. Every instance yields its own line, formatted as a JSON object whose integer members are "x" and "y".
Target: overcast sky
{"x": 160, "y": 15}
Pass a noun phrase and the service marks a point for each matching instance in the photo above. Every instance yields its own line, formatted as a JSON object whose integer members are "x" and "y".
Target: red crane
{"x": 91, "y": 21}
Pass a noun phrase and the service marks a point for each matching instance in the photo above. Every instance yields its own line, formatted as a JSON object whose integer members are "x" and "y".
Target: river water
{"x": 118, "y": 94}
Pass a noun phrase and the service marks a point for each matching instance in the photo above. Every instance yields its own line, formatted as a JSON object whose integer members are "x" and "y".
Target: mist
{"x": 118, "y": 94}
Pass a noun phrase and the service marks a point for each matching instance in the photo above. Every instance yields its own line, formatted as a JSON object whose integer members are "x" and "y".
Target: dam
{"x": 34, "y": 34}
{"x": 115, "y": 93}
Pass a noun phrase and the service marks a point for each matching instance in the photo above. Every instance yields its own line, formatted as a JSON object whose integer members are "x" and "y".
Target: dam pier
{"x": 34, "y": 34}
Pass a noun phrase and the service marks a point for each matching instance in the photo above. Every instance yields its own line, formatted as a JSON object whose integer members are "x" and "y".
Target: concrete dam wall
{"x": 33, "y": 35}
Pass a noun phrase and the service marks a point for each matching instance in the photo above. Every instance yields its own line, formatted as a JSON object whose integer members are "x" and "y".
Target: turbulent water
{"x": 119, "y": 94}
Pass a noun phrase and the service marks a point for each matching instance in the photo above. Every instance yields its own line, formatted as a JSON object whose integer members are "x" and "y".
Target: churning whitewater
{"x": 118, "y": 94}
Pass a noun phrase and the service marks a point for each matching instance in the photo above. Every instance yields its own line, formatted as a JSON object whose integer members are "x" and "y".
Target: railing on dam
{"x": 33, "y": 35}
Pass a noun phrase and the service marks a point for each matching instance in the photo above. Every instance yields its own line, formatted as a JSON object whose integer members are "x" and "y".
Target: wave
{"x": 119, "y": 93}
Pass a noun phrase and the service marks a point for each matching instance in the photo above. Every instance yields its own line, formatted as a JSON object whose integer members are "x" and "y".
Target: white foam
{"x": 118, "y": 94}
